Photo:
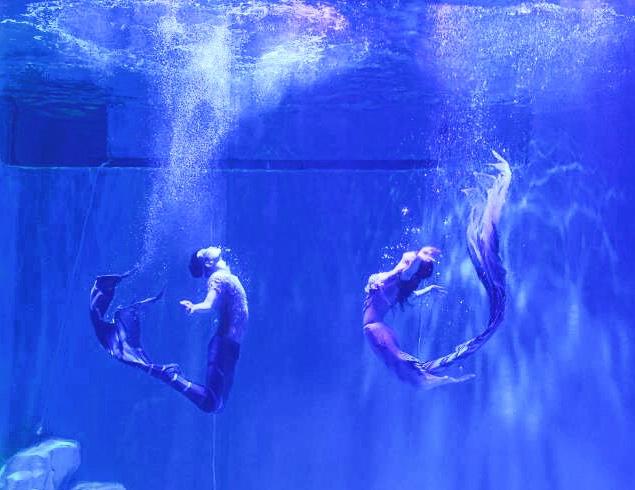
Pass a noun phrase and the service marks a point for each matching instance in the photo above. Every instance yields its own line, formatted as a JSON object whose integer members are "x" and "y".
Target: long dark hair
{"x": 197, "y": 265}
{"x": 406, "y": 288}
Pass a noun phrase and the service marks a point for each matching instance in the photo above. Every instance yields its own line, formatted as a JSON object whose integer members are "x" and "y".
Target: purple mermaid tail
{"x": 483, "y": 247}
{"x": 121, "y": 337}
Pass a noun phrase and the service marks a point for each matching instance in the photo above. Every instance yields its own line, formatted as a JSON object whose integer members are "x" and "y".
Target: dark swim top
{"x": 385, "y": 289}
{"x": 381, "y": 290}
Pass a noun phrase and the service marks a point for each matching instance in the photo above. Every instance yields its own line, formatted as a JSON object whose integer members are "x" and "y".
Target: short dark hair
{"x": 197, "y": 265}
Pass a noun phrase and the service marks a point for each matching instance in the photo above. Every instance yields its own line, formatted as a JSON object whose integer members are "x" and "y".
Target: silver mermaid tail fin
{"x": 483, "y": 247}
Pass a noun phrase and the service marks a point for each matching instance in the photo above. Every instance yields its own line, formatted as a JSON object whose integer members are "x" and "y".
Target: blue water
{"x": 318, "y": 141}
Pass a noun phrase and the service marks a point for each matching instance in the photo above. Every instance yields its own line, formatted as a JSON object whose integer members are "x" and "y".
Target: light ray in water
{"x": 208, "y": 63}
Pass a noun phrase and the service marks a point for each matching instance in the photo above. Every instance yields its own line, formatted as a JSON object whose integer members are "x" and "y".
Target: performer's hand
{"x": 429, "y": 254}
{"x": 188, "y": 305}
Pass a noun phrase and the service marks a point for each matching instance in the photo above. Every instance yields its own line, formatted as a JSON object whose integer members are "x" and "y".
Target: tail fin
{"x": 482, "y": 240}
{"x": 121, "y": 337}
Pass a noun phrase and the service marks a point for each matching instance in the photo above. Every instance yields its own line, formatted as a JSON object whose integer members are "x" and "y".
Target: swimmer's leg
{"x": 384, "y": 342}
{"x": 408, "y": 368}
{"x": 221, "y": 362}
{"x": 203, "y": 397}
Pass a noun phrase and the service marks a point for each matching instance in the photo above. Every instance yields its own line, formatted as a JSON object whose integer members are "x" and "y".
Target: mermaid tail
{"x": 483, "y": 247}
{"x": 121, "y": 337}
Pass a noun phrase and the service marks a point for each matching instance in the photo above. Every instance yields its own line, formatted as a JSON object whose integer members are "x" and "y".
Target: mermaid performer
{"x": 386, "y": 289}
{"x": 121, "y": 336}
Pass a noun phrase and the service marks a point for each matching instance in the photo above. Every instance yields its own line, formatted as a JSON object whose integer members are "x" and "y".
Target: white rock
{"x": 25, "y": 480}
{"x": 42, "y": 467}
{"x": 94, "y": 485}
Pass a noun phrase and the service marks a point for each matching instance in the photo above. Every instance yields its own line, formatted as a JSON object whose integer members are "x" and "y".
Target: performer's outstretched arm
{"x": 206, "y": 305}
{"x": 428, "y": 289}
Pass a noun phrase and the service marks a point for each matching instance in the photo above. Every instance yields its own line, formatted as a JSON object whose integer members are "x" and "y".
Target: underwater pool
{"x": 316, "y": 142}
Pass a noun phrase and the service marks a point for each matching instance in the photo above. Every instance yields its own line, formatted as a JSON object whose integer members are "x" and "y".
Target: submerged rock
{"x": 42, "y": 467}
